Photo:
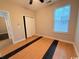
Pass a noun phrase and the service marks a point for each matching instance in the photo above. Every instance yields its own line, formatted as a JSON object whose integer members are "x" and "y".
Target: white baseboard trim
{"x": 56, "y": 38}
{"x": 74, "y": 45}
{"x": 76, "y": 50}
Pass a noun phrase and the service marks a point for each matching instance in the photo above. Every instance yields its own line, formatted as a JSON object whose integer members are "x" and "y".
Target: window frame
{"x": 68, "y": 20}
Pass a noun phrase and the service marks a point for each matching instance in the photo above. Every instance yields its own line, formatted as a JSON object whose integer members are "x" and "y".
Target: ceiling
{"x": 35, "y": 5}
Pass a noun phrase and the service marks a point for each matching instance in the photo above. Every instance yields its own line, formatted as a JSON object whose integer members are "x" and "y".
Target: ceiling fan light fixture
{"x": 31, "y": 1}
{"x": 41, "y": 1}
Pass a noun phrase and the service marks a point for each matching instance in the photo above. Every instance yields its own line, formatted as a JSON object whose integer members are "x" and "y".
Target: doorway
{"x": 29, "y": 26}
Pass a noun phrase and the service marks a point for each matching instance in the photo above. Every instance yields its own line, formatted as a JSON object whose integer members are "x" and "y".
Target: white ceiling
{"x": 35, "y": 5}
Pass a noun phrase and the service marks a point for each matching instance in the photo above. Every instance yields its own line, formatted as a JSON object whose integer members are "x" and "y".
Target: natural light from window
{"x": 61, "y": 19}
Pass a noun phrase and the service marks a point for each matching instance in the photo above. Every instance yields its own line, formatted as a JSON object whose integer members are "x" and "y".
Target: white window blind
{"x": 61, "y": 18}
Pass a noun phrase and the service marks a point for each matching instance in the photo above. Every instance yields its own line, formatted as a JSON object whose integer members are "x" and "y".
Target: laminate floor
{"x": 38, "y": 49}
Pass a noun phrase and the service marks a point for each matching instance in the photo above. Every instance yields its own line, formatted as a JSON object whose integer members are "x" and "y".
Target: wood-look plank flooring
{"x": 4, "y": 43}
{"x": 64, "y": 51}
{"x": 38, "y": 49}
{"x": 17, "y": 45}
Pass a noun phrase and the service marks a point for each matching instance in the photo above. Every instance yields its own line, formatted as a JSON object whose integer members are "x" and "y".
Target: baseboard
{"x": 74, "y": 45}
{"x": 56, "y": 38}
{"x": 76, "y": 50}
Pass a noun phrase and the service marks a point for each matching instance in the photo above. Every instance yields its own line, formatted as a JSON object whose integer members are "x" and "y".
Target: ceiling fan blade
{"x": 31, "y": 1}
{"x": 42, "y": 1}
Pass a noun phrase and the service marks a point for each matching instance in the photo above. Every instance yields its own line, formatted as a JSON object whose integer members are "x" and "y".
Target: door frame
{"x": 30, "y": 27}
{"x": 25, "y": 29}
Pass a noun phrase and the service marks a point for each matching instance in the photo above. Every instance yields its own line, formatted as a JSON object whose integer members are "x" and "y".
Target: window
{"x": 61, "y": 19}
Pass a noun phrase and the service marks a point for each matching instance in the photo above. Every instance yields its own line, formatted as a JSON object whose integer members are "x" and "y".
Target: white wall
{"x": 77, "y": 35}
{"x": 16, "y": 16}
{"x": 45, "y": 20}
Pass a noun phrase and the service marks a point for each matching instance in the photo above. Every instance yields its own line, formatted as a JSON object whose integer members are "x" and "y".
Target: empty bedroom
{"x": 39, "y": 29}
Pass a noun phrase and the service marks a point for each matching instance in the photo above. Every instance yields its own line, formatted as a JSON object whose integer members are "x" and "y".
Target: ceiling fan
{"x": 31, "y": 1}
